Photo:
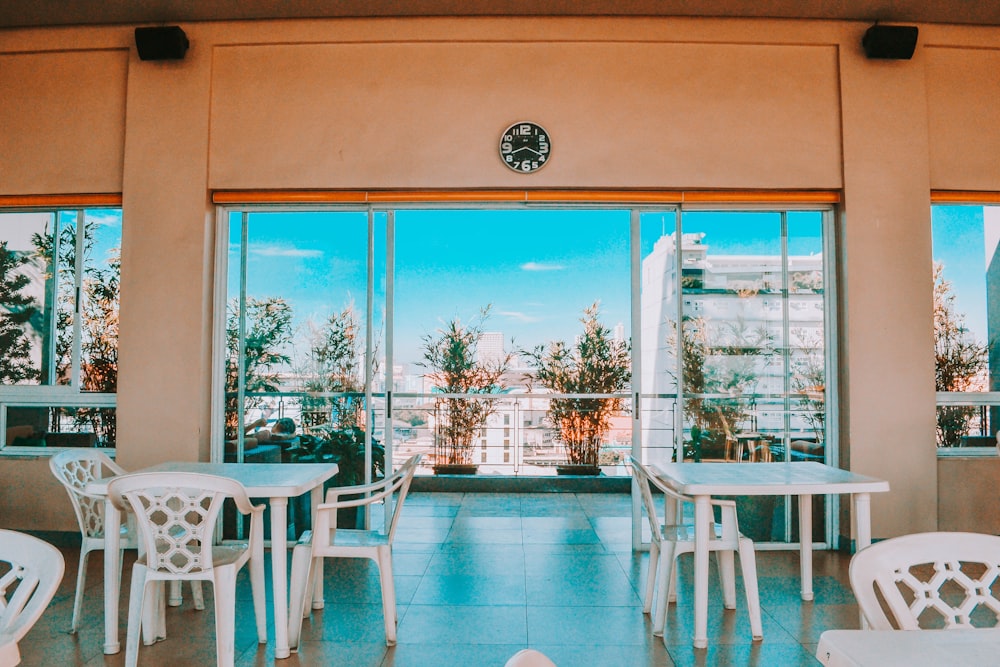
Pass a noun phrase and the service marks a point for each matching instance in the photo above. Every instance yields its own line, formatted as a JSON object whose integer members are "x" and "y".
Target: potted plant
{"x": 458, "y": 371}
{"x": 346, "y": 448}
{"x": 595, "y": 364}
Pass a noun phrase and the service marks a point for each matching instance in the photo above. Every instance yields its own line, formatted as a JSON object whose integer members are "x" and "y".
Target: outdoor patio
{"x": 480, "y": 576}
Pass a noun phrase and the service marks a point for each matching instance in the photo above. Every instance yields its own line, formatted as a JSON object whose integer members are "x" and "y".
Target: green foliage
{"x": 335, "y": 366}
{"x": 959, "y": 362}
{"x": 343, "y": 446}
{"x": 718, "y": 369}
{"x": 596, "y": 364}
{"x": 452, "y": 356}
{"x": 268, "y": 333}
{"x": 16, "y": 310}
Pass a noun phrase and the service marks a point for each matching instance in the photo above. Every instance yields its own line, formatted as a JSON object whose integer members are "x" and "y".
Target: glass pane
{"x": 60, "y": 426}
{"x": 99, "y": 310}
{"x": 966, "y": 321}
{"x": 26, "y": 301}
{"x": 658, "y": 299}
{"x": 297, "y": 310}
{"x": 732, "y": 334}
{"x": 479, "y": 296}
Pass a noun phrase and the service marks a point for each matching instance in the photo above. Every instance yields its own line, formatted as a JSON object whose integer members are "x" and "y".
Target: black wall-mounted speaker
{"x": 890, "y": 42}
{"x": 161, "y": 43}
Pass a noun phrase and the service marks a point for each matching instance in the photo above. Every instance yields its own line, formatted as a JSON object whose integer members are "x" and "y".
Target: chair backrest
{"x": 399, "y": 482}
{"x": 74, "y": 469}
{"x": 929, "y": 580}
{"x": 176, "y": 514}
{"x": 529, "y": 657}
{"x": 30, "y": 572}
{"x": 641, "y": 477}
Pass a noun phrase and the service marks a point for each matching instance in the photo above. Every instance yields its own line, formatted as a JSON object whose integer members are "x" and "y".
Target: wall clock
{"x": 525, "y": 147}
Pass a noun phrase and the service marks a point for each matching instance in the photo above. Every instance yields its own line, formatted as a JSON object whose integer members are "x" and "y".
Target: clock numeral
{"x": 509, "y": 158}
{"x": 508, "y": 137}
{"x": 543, "y": 147}
{"x": 524, "y": 129}
{"x": 506, "y": 146}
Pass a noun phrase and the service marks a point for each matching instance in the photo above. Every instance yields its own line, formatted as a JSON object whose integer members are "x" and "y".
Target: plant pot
{"x": 581, "y": 469}
{"x": 455, "y": 468}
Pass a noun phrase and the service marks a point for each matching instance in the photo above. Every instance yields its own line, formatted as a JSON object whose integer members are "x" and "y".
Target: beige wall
{"x": 630, "y": 103}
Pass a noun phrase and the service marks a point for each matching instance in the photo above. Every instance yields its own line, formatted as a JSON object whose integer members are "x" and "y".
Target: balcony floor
{"x": 480, "y": 576}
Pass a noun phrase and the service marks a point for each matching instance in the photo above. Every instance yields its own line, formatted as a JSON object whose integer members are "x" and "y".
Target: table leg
{"x": 279, "y": 574}
{"x": 702, "y": 523}
{"x": 112, "y": 583}
{"x": 805, "y": 545}
{"x": 316, "y": 497}
{"x": 863, "y": 519}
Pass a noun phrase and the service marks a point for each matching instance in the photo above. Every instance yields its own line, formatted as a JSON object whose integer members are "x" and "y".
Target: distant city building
{"x": 490, "y": 347}
{"x": 734, "y": 294}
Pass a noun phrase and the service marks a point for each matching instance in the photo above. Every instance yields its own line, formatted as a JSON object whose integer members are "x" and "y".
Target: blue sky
{"x": 960, "y": 244}
{"x": 537, "y": 268}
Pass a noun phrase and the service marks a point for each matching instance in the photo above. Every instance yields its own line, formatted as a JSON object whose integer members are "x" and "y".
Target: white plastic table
{"x": 906, "y": 648}
{"x": 802, "y": 479}
{"x": 275, "y": 481}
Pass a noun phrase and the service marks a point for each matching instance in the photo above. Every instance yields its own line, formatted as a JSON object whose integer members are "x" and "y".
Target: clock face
{"x": 525, "y": 147}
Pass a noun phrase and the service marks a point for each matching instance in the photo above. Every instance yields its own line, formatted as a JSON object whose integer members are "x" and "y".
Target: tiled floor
{"x": 480, "y": 576}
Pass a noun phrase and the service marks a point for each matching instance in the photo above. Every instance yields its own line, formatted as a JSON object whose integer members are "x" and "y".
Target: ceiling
{"x": 25, "y": 13}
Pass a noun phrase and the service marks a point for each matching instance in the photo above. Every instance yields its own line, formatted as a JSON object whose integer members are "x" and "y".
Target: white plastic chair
{"x": 529, "y": 657}
{"x": 176, "y": 514}
{"x": 74, "y": 469}
{"x": 29, "y": 576}
{"x": 327, "y": 541}
{"x": 928, "y": 580}
{"x": 673, "y": 538}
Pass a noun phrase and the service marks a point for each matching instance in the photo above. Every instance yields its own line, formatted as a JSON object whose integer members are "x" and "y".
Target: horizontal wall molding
{"x": 964, "y": 197}
{"x": 526, "y": 196}
{"x": 60, "y": 201}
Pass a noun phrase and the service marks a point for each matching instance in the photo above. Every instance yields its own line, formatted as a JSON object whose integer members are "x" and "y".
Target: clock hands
{"x": 526, "y": 148}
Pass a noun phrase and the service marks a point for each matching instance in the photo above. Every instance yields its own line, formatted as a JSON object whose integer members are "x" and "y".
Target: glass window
{"x": 59, "y": 295}
{"x": 966, "y": 275}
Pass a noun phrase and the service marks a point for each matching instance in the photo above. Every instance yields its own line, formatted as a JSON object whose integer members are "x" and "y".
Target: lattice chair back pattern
{"x": 177, "y": 518}
{"x": 75, "y": 469}
{"x": 929, "y": 581}
{"x": 30, "y": 572}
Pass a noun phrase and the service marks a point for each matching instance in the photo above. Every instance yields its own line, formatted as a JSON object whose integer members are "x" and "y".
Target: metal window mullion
{"x": 635, "y": 262}
{"x": 241, "y": 341}
{"x": 77, "y": 350}
{"x": 679, "y": 335}
{"x": 388, "y": 374}
{"x": 786, "y": 365}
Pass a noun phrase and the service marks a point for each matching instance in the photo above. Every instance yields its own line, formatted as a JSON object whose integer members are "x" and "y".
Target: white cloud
{"x": 540, "y": 266}
{"x": 519, "y": 316}
{"x": 280, "y": 251}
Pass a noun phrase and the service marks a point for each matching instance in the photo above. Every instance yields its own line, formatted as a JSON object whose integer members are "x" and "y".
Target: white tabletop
{"x": 907, "y": 648}
{"x": 764, "y": 479}
{"x": 271, "y": 480}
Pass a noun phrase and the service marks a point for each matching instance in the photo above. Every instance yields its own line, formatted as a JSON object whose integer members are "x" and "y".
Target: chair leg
{"x": 176, "y": 596}
{"x": 81, "y": 581}
{"x": 197, "y": 595}
{"x": 298, "y": 606}
{"x": 647, "y": 599}
{"x": 225, "y": 616}
{"x": 257, "y": 590}
{"x": 665, "y": 577}
{"x": 748, "y": 564}
{"x": 725, "y": 561}
{"x": 388, "y": 594}
{"x": 136, "y": 605}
